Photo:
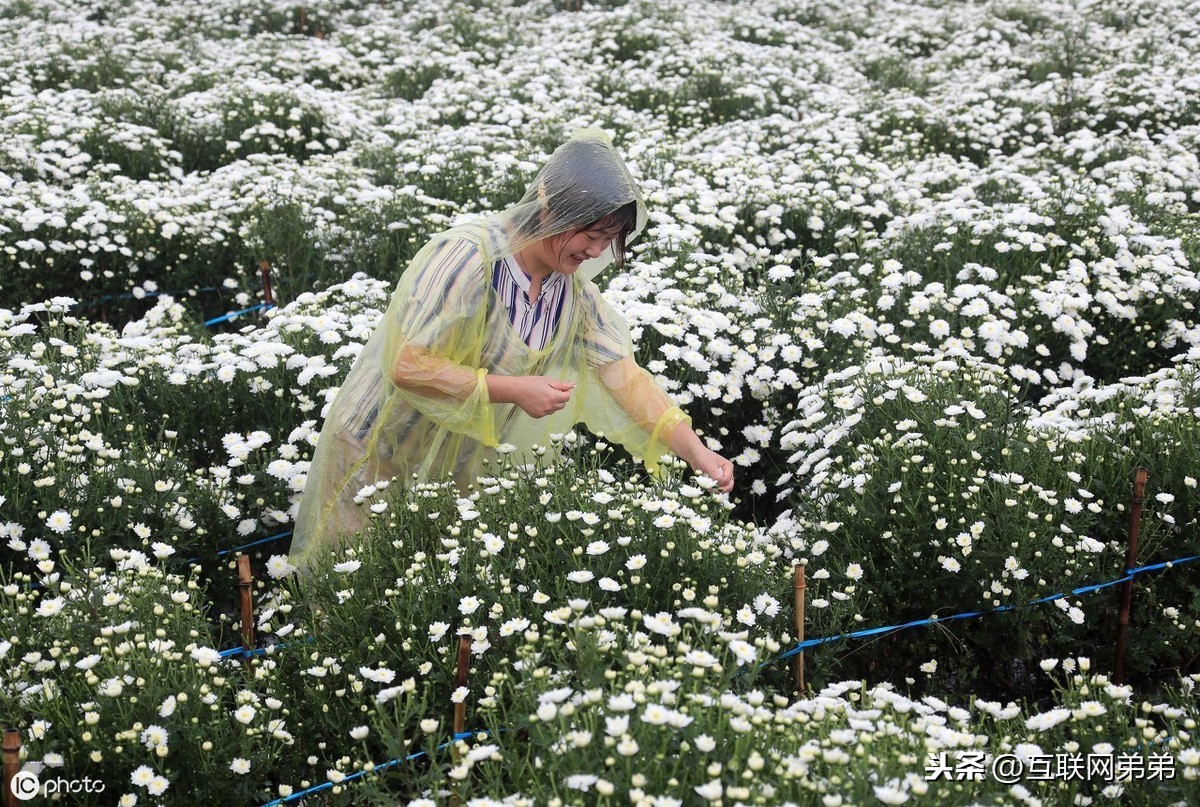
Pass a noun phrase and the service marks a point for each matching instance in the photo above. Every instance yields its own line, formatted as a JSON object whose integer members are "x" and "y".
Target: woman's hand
{"x": 716, "y": 467}
{"x": 537, "y": 395}
{"x": 687, "y": 446}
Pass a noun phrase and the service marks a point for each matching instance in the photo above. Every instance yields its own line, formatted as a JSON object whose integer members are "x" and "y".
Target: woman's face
{"x": 567, "y": 251}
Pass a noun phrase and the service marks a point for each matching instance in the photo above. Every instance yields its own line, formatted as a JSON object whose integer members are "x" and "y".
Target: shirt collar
{"x": 520, "y": 277}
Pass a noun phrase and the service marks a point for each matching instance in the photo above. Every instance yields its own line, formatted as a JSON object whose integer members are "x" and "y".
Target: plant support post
{"x": 798, "y": 659}
{"x": 460, "y": 680}
{"x": 1135, "y": 520}
{"x": 12, "y": 764}
{"x": 460, "y": 707}
{"x": 264, "y": 269}
{"x": 244, "y": 583}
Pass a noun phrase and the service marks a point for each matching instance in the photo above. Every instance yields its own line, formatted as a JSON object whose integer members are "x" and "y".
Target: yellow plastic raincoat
{"x": 415, "y": 404}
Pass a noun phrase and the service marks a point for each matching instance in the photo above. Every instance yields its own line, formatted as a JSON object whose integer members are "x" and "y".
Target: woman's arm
{"x": 686, "y": 444}
{"x": 649, "y": 407}
{"x": 433, "y": 335}
{"x": 446, "y": 306}
{"x": 418, "y": 369}
{"x": 537, "y": 395}
{"x": 431, "y": 376}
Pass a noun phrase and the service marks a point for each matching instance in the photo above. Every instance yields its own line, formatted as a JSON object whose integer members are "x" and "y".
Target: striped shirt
{"x": 535, "y": 322}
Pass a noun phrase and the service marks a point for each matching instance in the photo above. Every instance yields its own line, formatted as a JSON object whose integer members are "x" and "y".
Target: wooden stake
{"x": 460, "y": 680}
{"x": 1135, "y": 522}
{"x": 244, "y": 583}
{"x": 264, "y": 269}
{"x": 798, "y": 659}
{"x": 12, "y": 764}
{"x": 460, "y": 709}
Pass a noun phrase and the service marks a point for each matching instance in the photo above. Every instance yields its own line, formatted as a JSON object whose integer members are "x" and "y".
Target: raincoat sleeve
{"x": 437, "y": 328}
{"x": 625, "y": 404}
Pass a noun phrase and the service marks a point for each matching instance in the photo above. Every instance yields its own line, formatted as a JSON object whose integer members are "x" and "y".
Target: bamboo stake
{"x": 798, "y": 659}
{"x": 1135, "y": 521}
{"x": 244, "y": 583}
{"x": 264, "y": 269}
{"x": 12, "y": 764}
{"x": 460, "y": 680}
{"x": 460, "y": 709}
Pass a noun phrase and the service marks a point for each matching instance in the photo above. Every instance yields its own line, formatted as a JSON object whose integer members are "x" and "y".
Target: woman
{"x": 496, "y": 334}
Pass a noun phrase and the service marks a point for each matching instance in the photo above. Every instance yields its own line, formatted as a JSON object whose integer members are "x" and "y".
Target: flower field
{"x": 927, "y": 272}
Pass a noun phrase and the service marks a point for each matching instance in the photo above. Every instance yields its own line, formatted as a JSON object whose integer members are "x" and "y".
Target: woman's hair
{"x": 584, "y": 185}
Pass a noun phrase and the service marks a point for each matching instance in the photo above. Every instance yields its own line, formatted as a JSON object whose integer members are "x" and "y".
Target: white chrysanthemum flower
{"x": 154, "y": 736}
{"x": 51, "y": 607}
{"x": 280, "y": 469}
{"x": 168, "y": 706}
{"x": 1089, "y": 709}
{"x": 743, "y": 651}
{"x": 278, "y": 566}
{"x": 891, "y": 793}
{"x": 59, "y": 522}
{"x": 87, "y": 662}
{"x": 513, "y": 625}
{"x": 660, "y": 623}
{"x": 780, "y": 272}
{"x": 1047, "y": 720}
{"x": 766, "y": 604}
{"x": 380, "y": 675}
{"x": 746, "y": 615}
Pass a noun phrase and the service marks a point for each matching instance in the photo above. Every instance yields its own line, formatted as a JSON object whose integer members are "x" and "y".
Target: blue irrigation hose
{"x": 235, "y": 314}
{"x": 326, "y": 785}
{"x": 970, "y": 614}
